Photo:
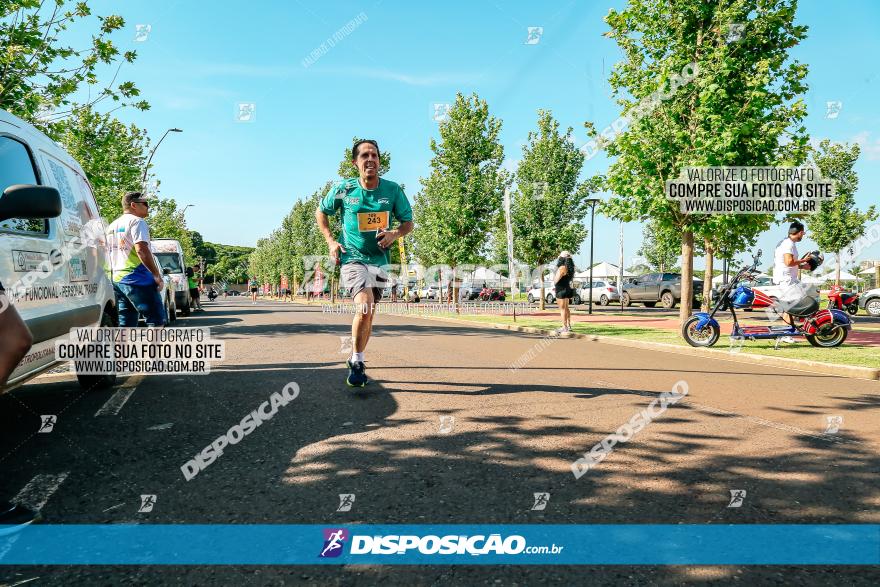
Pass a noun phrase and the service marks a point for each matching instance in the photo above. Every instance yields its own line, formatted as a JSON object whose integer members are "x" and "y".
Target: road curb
{"x": 796, "y": 364}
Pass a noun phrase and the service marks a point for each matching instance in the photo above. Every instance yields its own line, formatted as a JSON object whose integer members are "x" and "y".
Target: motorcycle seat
{"x": 806, "y": 306}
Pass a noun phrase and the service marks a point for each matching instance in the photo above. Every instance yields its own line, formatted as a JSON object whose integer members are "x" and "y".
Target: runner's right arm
{"x": 331, "y": 202}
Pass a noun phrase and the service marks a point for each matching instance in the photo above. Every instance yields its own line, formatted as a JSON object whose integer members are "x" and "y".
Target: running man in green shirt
{"x": 367, "y": 204}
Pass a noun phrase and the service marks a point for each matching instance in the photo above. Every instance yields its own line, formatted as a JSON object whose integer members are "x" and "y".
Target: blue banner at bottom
{"x": 634, "y": 544}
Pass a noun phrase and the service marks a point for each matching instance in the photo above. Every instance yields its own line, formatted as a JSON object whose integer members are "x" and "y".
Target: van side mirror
{"x": 30, "y": 201}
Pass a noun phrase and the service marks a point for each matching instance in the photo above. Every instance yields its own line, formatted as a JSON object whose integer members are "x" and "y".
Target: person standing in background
{"x": 564, "y": 291}
{"x": 136, "y": 277}
{"x": 193, "y": 285}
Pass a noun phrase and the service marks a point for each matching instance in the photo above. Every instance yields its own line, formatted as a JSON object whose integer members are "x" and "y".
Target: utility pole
{"x": 404, "y": 273}
{"x": 620, "y": 261}
{"x": 153, "y": 152}
{"x": 511, "y": 271}
{"x": 592, "y": 202}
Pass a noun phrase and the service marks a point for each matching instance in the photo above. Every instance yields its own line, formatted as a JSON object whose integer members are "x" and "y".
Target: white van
{"x": 54, "y": 279}
{"x": 170, "y": 255}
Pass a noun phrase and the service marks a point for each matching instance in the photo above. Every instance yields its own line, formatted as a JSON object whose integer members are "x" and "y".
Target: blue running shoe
{"x": 357, "y": 376}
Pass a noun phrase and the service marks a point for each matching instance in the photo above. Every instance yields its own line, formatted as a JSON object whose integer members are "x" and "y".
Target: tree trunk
{"x": 454, "y": 289}
{"x": 542, "y": 306}
{"x": 837, "y": 277}
{"x": 707, "y": 276}
{"x": 687, "y": 275}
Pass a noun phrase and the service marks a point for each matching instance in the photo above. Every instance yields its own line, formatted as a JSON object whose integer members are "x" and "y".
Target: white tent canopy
{"x": 844, "y": 276}
{"x": 718, "y": 279}
{"x": 602, "y": 270}
{"x": 814, "y": 279}
{"x": 481, "y": 274}
{"x": 868, "y": 271}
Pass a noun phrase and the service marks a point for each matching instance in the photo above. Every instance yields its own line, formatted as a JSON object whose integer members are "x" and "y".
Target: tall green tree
{"x": 460, "y": 200}
{"x": 166, "y": 221}
{"x": 112, "y": 154}
{"x": 725, "y": 235}
{"x": 549, "y": 205}
{"x": 39, "y": 70}
{"x": 742, "y": 107}
{"x": 838, "y": 223}
{"x": 229, "y": 263}
{"x": 660, "y": 246}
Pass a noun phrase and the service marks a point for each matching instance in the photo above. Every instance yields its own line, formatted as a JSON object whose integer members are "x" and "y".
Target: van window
{"x": 16, "y": 167}
{"x": 170, "y": 261}
{"x": 74, "y": 211}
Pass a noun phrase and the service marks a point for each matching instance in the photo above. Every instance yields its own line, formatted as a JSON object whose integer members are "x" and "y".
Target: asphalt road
{"x": 515, "y": 432}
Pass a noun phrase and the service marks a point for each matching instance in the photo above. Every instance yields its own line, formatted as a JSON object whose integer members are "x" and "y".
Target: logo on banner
{"x": 346, "y": 500}
{"x": 47, "y": 423}
{"x": 834, "y": 424}
{"x": 541, "y": 501}
{"x": 334, "y": 540}
{"x": 737, "y": 498}
{"x": 148, "y": 502}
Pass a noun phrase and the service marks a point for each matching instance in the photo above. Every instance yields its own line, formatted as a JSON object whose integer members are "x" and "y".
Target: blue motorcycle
{"x": 822, "y": 328}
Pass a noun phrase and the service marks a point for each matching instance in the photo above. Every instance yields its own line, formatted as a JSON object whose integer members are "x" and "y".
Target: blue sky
{"x": 202, "y": 58}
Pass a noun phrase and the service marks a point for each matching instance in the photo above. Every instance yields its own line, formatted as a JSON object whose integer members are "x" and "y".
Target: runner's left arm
{"x": 402, "y": 211}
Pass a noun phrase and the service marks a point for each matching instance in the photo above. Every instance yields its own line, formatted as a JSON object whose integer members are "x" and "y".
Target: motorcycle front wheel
{"x": 852, "y": 309}
{"x": 829, "y": 338}
{"x": 705, "y": 337}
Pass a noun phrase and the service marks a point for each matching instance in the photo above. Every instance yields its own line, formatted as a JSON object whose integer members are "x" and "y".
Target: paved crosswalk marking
{"x": 112, "y": 406}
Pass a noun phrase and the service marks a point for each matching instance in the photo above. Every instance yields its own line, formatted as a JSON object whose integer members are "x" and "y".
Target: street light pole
{"x": 592, "y": 202}
{"x": 153, "y": 152}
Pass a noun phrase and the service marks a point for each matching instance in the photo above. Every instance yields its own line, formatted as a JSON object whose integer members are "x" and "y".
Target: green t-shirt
{"x": 363, "y": 212}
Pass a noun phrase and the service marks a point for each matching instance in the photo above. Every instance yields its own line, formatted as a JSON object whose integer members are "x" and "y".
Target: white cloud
{"x": 870, "y": 148}
{"x": 287, "y": 71}
{"x": 430, "y": 79}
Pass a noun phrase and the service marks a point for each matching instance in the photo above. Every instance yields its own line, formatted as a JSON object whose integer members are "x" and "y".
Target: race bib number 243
{"x": 372, "y": 221}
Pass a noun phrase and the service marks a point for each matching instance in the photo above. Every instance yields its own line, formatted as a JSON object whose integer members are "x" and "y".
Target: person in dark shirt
{"x": 564, "y": 291}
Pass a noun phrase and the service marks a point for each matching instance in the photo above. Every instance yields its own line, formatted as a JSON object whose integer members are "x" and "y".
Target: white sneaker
{"x": 787, "y": 339}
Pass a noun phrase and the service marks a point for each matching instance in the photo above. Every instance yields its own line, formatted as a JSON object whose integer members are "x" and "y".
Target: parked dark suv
{"x": 652, "y": 288}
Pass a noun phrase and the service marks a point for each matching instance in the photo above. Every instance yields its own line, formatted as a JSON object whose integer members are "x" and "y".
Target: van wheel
{"x": 186, "y": 310}
{"x": 89, "y": 382}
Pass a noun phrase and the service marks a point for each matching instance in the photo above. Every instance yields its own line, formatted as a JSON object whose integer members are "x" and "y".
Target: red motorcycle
{"x": 842, "y": 300}
{"x": 488, "y": 294}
